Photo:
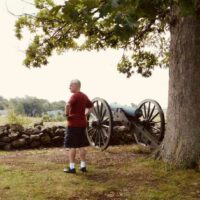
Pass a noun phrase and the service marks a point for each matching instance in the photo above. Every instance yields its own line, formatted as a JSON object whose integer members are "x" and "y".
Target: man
{"x": 77, "y": 109}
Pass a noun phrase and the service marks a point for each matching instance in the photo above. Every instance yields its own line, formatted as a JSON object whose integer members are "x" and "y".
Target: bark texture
{"x": 181, "y": 145}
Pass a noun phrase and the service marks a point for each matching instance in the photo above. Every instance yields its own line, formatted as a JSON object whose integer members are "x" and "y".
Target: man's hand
{"x": 89, "y": 110}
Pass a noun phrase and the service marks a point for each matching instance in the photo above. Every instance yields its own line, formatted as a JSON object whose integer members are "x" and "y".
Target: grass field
{"x": 121, "y": 172}
{"x": 29, "y": 121}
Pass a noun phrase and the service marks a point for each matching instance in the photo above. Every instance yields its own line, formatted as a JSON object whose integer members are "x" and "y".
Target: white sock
{"x": 83, "y": 164}
{"x": 71, "y": 165}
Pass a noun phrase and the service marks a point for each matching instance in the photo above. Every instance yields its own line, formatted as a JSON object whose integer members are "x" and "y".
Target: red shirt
{"x": 76, "y": 110}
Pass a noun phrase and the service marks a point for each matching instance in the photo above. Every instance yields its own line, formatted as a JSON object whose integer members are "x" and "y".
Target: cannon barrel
{"x": 131, "y": 111}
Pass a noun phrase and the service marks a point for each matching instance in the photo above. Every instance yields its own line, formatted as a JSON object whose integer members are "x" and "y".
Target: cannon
{"x": 145, "y": 121}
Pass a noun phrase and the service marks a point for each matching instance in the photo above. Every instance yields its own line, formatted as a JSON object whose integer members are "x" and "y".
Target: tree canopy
{"x": 137, "y": 26}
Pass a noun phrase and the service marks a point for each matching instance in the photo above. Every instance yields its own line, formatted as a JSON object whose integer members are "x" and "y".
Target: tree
{"x": 31, "y": 106}
{"x": 3, "y": 103}
{"x": 17, "y": 106}
{"x": 58, "y": 105}
{"x": 139, "y": 27}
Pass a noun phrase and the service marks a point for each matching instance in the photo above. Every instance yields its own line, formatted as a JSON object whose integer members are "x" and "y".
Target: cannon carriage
{"x": 145, "y": 121}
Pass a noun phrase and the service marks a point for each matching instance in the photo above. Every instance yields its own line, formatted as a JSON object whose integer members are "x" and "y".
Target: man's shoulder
{"x": 79, "y": 95}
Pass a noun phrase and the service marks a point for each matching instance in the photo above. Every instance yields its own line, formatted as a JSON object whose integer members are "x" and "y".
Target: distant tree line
{"x": 30, "y": 106}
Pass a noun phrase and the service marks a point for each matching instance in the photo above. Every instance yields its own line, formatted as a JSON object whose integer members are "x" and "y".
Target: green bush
{"x": 46, "y": 118}
{"x": 49, "y": 118}
{"x": 13, "y": 118}
{"x": 60, "y": 118}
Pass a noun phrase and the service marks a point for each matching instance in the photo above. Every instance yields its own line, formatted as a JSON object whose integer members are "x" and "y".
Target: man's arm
{"x": 67, "y": 109}
{"x": 70, "y": 103}
{"x": 89, "y": 106}
{"x": 88, "y": 111}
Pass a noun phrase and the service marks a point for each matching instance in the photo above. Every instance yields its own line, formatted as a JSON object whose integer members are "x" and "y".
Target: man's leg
{"x": 83, "y": 158}
{"x": 72, "y": 156}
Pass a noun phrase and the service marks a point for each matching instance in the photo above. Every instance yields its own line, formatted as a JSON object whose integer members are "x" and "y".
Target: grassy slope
{"x": 118, "y": 173}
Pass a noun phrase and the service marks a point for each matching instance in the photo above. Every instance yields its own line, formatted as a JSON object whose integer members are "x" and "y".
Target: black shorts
{"x": 75, "y": 137}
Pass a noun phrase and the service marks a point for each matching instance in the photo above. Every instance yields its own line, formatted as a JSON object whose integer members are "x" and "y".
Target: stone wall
{"x": 17, "y": 137}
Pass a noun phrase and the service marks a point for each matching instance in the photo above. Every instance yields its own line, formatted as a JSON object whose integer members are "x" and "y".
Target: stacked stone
{"x": 14, "y": 136}
{"x": 17, "y": 137}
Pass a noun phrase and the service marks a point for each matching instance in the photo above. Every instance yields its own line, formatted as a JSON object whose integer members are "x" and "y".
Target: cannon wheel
{"x": 100, "y": 124}
{"x": 153, "y": 120}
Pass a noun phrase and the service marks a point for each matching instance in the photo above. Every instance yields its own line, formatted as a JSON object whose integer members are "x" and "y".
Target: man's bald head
{"x": 75, "y": 86}
{"x": 77, "y": 82}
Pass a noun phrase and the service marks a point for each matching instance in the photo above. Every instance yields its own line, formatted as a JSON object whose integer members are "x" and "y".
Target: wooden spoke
{"x": 105, "y": 120}
{"x": 97, "y": 110}
{"x": 94, "y": 117}
{"x": 152, "y": 112}
{"x": 104, "y": 132}
{"x": 155, "y": 122}
{"x": 96, "y": 138}
{"x": 104, "y": 126}
{"x": 102, "y": 136}
{"x": 93, "y": 133}
{"x": 149, "y": 107}
{"x": 145, "y": 113}
{"x": 101, "y": 111}
{"x": 90, "y": 129}
{"x": 154, "y": 117}
{"x": 103, "y": 115}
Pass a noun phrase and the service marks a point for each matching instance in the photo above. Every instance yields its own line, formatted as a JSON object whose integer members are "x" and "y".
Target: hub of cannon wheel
{"x": 96, "y": 124}
{"x": 147, "y": 124}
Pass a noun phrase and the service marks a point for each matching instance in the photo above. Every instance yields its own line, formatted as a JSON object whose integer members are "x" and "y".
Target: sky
{"x": 96, "y": 70}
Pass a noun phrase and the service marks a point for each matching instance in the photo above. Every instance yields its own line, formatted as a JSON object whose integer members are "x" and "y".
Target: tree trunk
{"x": 181, "y": 145}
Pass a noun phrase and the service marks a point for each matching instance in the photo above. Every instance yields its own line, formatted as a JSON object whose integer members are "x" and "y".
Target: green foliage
{"x": 50, "y": 118}
{"x": 46, "y": 118}
{"x": 41, "y": 4}
{"x": 143, "y": 61}
{"x": 3, "y": 103}
{"x": 31, "y": 106}
{"x": 188, "y": 7}
{"x": 60, "y": 118}
{"x": 137, "y": 26}
{"x": 13, "y": 118}
{"x": 17, "y": 106}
